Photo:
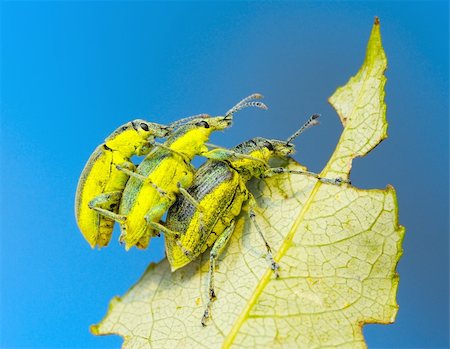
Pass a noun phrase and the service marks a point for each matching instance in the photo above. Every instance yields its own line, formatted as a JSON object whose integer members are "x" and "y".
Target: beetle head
{"x": 190, "y": 137}
{"x": 147, "y": 129}
{"x": 191, "y": 133}
{"x": 264, "y": 149}
{"x": 136, "y": 137}
{"x": 217, "y": 123}
{"x": 205, "y": 124}
{"x": 146, "y": 132}
{"x": 279, "y": 148}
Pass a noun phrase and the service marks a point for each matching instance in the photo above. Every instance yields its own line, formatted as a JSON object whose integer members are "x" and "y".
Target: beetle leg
{"x": 245, "y": 156}
{"x": 143, "y": 179}
{"x": 274, "y": 265}
{"x": 193, "y": 201}
{"x": 173, "y": 235}
{"x": 160, "y": 191}
{"x": 127, "y": 164}
{"x": 210, "y": 145}
{"x": 183, "y": 156}
{"x": 216, "y": 250}
{"x": 146, "y": 147}
{"x": 111, "y": 200}
{"x": 162, "y": 228}
{"x": 128, "y": 168}
{"x": 273, "y": 171}
{"x": 221, "y": 154}
{"x": 154, "y": 215}
{"x": 189, "y": 197}
{"x": 278, "y": 170}
{"x": 131, "y": 173}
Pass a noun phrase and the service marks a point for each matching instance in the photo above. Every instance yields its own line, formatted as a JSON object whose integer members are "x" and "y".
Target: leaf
{"x": 337, "y": 246}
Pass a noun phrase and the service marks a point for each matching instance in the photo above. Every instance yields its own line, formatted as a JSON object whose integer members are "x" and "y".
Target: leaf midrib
{"x": 268, "y": 274}
{"x": 289, "y": 237}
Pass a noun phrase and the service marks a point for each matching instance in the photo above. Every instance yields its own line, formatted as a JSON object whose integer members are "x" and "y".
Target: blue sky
{"x": 74, "y": 71}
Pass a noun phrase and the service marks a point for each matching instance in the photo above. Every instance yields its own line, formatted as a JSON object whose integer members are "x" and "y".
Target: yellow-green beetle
{"x": 101, "y": 183}
{"x": 219, "y": 187}
{"x": 163, "y": 173}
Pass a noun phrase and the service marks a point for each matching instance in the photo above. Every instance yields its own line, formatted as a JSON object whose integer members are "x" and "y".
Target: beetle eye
{"x": 202, "y": 124}
{"x": 268, "y": 145}
{"x": 144, "y": 126}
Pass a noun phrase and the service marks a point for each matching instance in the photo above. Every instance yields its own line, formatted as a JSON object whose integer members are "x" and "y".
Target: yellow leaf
{"x": 337, "y": 247}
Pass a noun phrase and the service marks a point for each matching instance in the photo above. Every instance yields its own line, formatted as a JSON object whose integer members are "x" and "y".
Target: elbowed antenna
{"x": 245, "y": 103}
{"x": 312, "y": 121}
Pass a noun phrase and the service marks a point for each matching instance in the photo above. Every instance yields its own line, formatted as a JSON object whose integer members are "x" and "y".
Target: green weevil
{"x": 101, "y": 184}
{"x": 163, "y": 173}
{"x": 219, "y": 188}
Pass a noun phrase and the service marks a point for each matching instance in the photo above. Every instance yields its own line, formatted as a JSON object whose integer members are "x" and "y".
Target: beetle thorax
{"x": 192, "y": 142}
{"x": 126, "y": 140}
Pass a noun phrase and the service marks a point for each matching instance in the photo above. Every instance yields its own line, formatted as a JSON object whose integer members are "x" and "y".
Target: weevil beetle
{"x": 101, "y": 183}
{"x": 220, "y": 189}
{"x": 163, "y": 173}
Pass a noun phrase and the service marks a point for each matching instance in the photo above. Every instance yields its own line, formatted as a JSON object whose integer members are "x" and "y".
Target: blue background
{"x": 74, "y": 71}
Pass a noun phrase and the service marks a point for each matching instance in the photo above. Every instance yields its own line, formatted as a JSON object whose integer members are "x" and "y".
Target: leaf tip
{"x": 94, "y": 329}
{"x": 376, "y": 20}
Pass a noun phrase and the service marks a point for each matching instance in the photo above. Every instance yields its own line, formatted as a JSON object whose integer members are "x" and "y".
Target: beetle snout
{"x": 224, "y": 123}
{"x": 289, "y": 149}
{"x": 285, "y": 151}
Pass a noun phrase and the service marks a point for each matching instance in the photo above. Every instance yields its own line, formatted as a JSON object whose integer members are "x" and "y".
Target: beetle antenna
{"x": 312, "y": 121}
{"x": 251, "y": 97}
{"x": 189, "y": 118}
{"x": 245, "y": 103}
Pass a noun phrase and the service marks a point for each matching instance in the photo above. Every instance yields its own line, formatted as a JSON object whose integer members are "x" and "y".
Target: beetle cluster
{"x": 201, "y": 204}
